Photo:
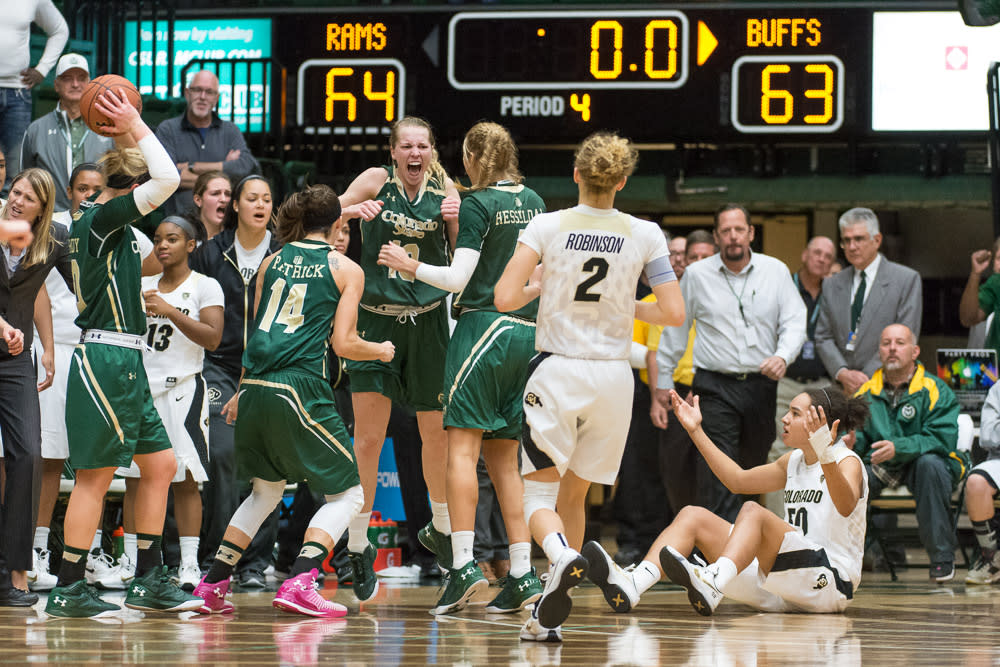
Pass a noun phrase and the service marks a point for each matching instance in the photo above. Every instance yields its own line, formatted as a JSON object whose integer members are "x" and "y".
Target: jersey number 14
{"x": 290, "y": 312}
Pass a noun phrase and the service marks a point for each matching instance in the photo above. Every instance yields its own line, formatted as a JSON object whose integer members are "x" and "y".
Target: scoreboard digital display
{"x": 689, "y": 72}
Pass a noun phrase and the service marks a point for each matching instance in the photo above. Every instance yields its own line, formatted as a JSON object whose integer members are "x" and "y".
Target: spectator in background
{"x": 212, "y": 193}
{"x": 677, "y": 452}
{"x": 979, "y": 300}
{"x": 854, "y": 311}
{"x": 980, "y": 491}
{"x": 233, "y": 257}
{"x": 910, "y": 438}
{"x": 86, "y": 180}
{"x": 807, "y": 371}
{"x": 60, "y": 141}
{"x": 22, "y": 279}
{"x": 751, "y": 325}
{"x": 199, "y": 141}
{"x": 678, "y": 248}
{"x": 17, "y": 76}
{"x": 3, "y": 172}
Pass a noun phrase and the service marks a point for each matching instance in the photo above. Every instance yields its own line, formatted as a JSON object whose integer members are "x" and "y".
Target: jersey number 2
{"x": 290, "y": 313}
{"x": 598, "y": 267}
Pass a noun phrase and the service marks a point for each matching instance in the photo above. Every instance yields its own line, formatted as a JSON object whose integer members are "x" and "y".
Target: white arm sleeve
{"x": 453, "y": 278}
{"x": 164, "y": 178}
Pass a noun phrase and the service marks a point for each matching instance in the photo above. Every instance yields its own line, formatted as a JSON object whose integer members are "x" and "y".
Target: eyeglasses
{"x": 854, "y": 240}
{"x": 207, "y": 92}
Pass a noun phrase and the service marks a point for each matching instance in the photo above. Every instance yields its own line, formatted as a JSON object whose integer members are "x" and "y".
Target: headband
{"x": 828, "y": 401}
{"x": 183, "y": 223}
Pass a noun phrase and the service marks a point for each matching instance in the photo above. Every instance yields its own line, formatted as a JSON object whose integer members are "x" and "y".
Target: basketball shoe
{"x": 40, "y": 579}
{"x": 516, "y": 594}
{"x": 298, "y": 595}
{"x": 364, "y": 581}
{"x": 78, "y": 600}
{"x": 103, "y": 572}
{"x": 213, "y": 596}
{"x": 703, "y": 594}
{"x": 438, "y": 544}
{"x": 616, "y": 584}
{"x": 554, "y": 605}
{"x": 154, "y": 591}
{"x": 463, "y": 585}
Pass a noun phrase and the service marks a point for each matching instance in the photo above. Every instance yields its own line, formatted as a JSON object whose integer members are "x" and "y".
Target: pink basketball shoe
{"x": 214, "y": 596}
{"x": 298, "y": 595}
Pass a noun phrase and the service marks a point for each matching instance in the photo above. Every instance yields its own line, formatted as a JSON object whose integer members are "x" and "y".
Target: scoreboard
{"x": 690, "y": 72}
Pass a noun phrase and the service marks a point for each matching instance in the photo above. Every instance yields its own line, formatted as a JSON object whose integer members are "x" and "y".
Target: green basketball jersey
{"x": 107, "y": 267}
{"x": 295, "y": 316}
{"x": 490, "y": 221}
{"x": 418, "y": 227}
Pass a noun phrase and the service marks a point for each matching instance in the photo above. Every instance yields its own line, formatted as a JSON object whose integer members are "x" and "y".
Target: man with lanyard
{"x": 807, "y": 370}
{"x": 751, "y": 324}
{"x": 60, "y": 140}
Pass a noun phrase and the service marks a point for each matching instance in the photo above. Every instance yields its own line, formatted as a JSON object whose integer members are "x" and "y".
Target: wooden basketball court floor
{"x": 911, "y": 622}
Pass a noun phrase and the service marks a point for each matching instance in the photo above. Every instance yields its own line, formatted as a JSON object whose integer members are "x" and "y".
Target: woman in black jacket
{"x": 232, "y": 257}
{"x": 23, "y": 269}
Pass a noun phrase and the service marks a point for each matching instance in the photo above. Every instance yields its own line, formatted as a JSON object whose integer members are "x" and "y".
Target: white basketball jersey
{"x": 591, "y": 261}
{"x": 809, "y": 508}
{"x": 170, "y": 356}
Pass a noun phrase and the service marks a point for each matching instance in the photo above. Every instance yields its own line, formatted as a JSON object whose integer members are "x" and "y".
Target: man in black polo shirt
{"x": 199, "y": 141}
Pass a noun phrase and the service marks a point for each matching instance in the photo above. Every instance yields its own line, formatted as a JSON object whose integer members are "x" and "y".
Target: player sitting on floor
{"x": 811, "y": 563}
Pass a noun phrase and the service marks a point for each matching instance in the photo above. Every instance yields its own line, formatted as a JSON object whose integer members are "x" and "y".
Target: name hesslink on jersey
{"x": 595, "y": 243}
{"x": 294, "y": 271}
{"x": 516, "y": 216}
{"x": 803, "y": 495}
{"x": 405, "y": 226}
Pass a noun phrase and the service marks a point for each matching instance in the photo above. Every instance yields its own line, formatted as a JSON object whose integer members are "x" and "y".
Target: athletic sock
{"x": 41, "y": 540}
{"x": 73, "y": 566}
{"x": 357, "y": 533}
{"x": 132, "y": 546}
{"x": 189, "y": 549}
{"x": 520, "y": 559}
{"x": 461, "y": 548}
{"x": 225, "y": 562}
{"x": 725, "y": 571}
{"x": 554, "y": 545}
{"x": 310, "y": 556}
{"x": 645, "y": 575}
{"x": 986, "y": 537}
{"x": 96, "y": 543}
{"x": 440, "y": 517}
{"x": 150, "y": 554}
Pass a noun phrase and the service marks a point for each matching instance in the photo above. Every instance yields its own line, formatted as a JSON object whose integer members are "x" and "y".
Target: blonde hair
{"x": 603, "y": 160}
{"x": 494, "y": 152}
{"x": 435, "y": 169}
{"x": 44, "y": 188}
{"x": 123, "y": 168}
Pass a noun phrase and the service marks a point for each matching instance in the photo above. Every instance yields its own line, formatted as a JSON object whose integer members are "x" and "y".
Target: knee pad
{"x": 258, "y": 505}
{"x": 350, "y": 501}
{"x": 539, "y": 495}
{"x": 334, "y": 516}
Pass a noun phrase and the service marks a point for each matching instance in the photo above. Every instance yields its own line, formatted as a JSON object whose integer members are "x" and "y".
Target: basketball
{"x": 96, "y": 120}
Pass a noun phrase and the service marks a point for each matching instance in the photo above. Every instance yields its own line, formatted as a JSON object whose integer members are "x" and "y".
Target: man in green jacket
{"x": 910, "y": 439}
